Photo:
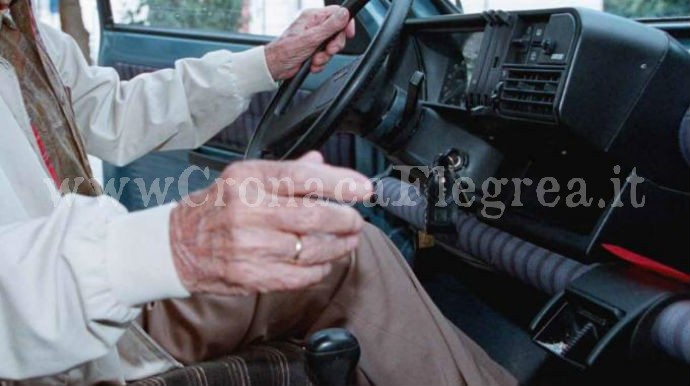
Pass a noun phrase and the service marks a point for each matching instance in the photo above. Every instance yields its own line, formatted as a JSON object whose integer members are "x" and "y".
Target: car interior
{"x": 473, "y": 119}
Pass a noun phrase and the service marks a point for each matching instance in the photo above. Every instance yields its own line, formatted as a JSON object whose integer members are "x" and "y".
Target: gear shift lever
{"x": 332, "y": 356}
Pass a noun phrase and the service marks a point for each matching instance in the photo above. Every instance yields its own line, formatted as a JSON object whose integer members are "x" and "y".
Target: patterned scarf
{"x": 47, "y": 102}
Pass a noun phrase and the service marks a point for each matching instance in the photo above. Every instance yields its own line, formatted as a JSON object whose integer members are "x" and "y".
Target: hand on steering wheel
{"x": 287, "y": 131}
{"x": 304, "y": 39}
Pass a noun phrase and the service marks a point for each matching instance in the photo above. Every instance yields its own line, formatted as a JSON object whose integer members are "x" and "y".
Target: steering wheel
{"x": 288, "y": 130}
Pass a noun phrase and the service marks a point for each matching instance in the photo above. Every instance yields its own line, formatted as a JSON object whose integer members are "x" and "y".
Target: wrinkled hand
{"x": 240, "y": 236}
{"x": 301, "y": 40}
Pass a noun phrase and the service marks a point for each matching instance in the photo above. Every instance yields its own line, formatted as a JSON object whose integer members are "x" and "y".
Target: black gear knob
{"x": 331, "y": 357}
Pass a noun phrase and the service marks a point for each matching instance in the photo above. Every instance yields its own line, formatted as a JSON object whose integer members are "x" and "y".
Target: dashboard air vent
{"x": 530, "y": 93}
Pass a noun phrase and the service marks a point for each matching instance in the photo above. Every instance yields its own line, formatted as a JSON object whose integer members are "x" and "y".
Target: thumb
{"x": 336, "y": 22}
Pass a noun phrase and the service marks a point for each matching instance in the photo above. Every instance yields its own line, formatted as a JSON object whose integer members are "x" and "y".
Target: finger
{"x": 316, "y": 16}
{"x": 313, "y": 157}
{"x": 300, "y": 277}
{"x": 309, "y": 249}
{"x": 316, "y": 70}
{"x": 351, "y": 29}
{"x": 336, "y": 22}
{"x": 320, "y": 59}
{"x": 302, "y": 178}
{"x": 261, "y": 276}
{"x": 337, "y": 44}
{"x": 311, "y": 17}
{"x": 290, "y": 277}
{"x": 265, "y": 243}
{"x": 304, "y": 216}
{"x": 325, "y": 181}
{"x": 325, "y": 248}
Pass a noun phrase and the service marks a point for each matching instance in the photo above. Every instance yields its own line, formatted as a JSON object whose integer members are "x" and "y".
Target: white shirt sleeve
{"x": 71, "y": 282}
{"x": 178, "y": 108}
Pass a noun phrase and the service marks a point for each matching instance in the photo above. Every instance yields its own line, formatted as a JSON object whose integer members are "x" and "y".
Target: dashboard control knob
{"x": 549, "y": 46}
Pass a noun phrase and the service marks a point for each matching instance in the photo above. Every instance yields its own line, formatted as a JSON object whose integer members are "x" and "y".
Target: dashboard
{"x": 565, "y": 95}
{"x": 461, "y": 66}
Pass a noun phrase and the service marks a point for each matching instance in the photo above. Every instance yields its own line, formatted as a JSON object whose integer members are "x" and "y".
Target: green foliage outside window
{"x": 648, "y": 8}
{"x": 214, "y": 15}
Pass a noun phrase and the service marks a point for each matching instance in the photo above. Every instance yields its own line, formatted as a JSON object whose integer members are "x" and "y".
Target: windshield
{"x": 628, "y": 8}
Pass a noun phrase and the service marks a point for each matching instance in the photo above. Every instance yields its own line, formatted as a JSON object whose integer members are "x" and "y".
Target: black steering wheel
{"x": 288, "y": 130}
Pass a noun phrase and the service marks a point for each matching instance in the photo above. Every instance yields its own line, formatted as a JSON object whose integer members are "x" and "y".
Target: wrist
{"x": 272, "y": 61}
{"x": 182, "y": 257}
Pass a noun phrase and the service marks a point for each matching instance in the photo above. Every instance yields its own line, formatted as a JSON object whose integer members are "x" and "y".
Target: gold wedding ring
{"x": 299, "y": 246}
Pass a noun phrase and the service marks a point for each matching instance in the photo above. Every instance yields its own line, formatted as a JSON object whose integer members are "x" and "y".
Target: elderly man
{"x": 76, "y": 268}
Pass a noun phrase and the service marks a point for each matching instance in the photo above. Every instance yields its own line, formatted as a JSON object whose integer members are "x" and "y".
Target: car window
{"x": 259, "y": 17}
{"x": 628, "y": 8}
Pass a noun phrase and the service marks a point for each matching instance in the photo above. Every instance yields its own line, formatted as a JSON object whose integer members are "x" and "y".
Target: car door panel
{"x": 134, "y": 50}
{"x": 151, "y": 50}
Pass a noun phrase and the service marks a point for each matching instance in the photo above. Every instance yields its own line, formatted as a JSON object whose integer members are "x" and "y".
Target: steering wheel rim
{"x": 352, "y": 79}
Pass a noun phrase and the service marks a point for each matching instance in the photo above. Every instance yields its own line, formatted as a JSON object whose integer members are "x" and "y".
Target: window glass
{"x": 260, "y": 17}
{"x": 627, "y": 8}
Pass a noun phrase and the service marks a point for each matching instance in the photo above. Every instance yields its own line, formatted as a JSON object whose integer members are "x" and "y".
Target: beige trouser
{"x": 405, "y": 339}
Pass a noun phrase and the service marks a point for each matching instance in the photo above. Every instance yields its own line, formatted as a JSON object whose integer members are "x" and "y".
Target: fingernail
{"x": 343, "y": 13}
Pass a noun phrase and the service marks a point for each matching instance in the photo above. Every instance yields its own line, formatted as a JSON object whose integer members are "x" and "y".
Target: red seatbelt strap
{"x": 646, "y": 263}
{"x": 44, "y": 155}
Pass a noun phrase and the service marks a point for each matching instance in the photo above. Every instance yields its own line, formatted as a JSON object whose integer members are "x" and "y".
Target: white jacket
{"x": 74, "y": 269}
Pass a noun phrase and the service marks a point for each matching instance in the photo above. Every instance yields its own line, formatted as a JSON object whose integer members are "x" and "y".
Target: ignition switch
{"x": 441, "y": 208}
{"x": 457, "y": 160}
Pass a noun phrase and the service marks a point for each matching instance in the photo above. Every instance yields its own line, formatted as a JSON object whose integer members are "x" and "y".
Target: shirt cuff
{"x": 139, "y": 259}
{"x": 251, "y": 71}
